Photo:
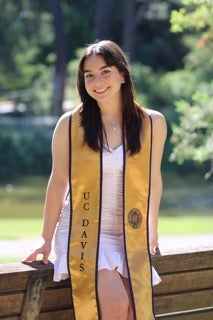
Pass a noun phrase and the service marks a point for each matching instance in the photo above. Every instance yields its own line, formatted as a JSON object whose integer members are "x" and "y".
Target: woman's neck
{"x": 111, "y": 113}
{"x": 112, "y": 127}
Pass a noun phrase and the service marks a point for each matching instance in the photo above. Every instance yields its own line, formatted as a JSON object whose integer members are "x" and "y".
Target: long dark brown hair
{"x": 91, "y": 116}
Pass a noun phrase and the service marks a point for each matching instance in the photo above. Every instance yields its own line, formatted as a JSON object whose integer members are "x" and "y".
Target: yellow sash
{"x": 85, "y": 194}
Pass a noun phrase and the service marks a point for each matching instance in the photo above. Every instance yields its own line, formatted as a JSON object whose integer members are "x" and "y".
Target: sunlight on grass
{"x": 31, "y": 228}
{"x": 23, "y": 198}
{"x": 183, "y": 225}
{"x": 20, "y": 228}
{"x": 9, "y": 259}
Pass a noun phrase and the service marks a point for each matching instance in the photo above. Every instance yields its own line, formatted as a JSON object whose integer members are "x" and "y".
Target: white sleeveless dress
{"x": 111, "y": 250}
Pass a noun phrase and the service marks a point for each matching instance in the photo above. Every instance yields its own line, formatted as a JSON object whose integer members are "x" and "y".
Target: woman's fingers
{"x": 32, "y": 257}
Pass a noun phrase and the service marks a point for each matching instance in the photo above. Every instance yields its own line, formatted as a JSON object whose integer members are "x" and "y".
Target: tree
{"x": 133, "y": 14}
{"x": 193, "y": 135}
{"x": 103, "y": 19}
{"x": 26, "y": 43}
{"x": 61, "y": 59}
{"x": 32, "y": 48}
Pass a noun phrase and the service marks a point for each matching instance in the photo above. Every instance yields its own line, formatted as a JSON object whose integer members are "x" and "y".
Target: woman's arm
{"x": 158, "y": 141}
{"x": 57, "y": 189}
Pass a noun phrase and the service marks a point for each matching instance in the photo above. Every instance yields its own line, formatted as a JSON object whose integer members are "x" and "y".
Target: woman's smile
{"x": 101, "y": 90}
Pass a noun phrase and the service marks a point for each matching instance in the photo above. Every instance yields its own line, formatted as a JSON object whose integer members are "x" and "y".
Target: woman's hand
{"x": 44, "y": 248}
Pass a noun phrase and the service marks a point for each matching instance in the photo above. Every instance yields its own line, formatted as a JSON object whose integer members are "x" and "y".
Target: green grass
{"x": 9, "y": 259}
{"x": 23, "y": 228}
{"x": 14, "y": 229}
{"x": 184, "y": 225}
{"x": 186, "y": 206}
{"x": 186, "y": 195}
{"x": 23, "y": 198}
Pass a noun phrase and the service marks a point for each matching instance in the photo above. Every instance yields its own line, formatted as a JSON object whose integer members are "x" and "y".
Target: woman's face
{"x": 102, "y": 82}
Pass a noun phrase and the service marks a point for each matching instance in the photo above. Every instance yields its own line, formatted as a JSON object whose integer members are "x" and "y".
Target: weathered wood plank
{"x": 15, "y": 275}
{"x": 62, "y": 315}
{"x": 56, "y": 299}
{"x": 18, "y": 273}
{"x": 15, "y": 267}
{"x": 195, "y": 315}
{"x": 18, "y": 282}
{"x": 11, "y": 304}
{"x": 186, "y": 281}
{"x": 14, "y": 317}
{"x": 183, "y": 301}
{"x": 187, "y": 284}
{"x": 13, "y": 282}
{"x": 183, "y": 262}
{"x": 53, "y": 315}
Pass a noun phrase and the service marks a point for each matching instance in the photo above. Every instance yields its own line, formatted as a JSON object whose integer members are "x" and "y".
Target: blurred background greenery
{"x": 169, "y": 45}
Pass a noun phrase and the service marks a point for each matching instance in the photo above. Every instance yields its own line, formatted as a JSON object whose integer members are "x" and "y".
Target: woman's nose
{"x": 97, "y": 79}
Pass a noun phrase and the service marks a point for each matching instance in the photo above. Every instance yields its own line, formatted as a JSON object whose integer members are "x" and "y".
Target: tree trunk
{"x": 103, "y": 20}
{"x": 132, "y": 17}
{"x": 129, "y": 28}
{"x": 61, "y": 61}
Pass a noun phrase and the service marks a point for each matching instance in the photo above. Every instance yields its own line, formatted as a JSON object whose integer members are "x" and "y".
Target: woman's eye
{"x": 88, "y": 76}
{"x": 106, "y": 71}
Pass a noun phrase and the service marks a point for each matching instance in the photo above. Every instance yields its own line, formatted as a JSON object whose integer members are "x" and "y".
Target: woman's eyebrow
{"x": 101, "y": 68}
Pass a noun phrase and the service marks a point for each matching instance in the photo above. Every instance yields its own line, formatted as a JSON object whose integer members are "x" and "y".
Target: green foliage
{"x": 155, "y": 44}
{"x": 196, "y": 15}
{"x": 78, "y": 24}
{"x": 71, "y": 94}
{"x": 193, "y": 136}
{"x": 23, "y": 40}
{"x": 26, "y": 36}
{"x": 25, "y": 148}
{"x": 159, "y": 91}
{"x": 27, "y": 50}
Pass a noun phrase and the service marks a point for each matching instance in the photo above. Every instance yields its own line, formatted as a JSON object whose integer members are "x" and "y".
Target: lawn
{"x": 186, "y": 207}
{"x": 23, "y": 198}
{"x": 30, "y": 228}
{"x": 185, "y": 225}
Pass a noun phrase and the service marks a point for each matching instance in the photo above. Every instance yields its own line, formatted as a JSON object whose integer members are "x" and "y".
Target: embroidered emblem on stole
{"x": 135, "y": 218}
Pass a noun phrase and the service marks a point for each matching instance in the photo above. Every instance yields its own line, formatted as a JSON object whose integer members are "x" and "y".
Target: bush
{"x": 25, "y": 146}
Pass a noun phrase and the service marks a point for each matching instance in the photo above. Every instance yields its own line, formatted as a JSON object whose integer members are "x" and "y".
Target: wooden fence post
{"x": 33, "y": 297}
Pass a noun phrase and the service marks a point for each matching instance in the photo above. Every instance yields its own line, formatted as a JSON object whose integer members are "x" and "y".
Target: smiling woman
{"x": 104, "y": 192}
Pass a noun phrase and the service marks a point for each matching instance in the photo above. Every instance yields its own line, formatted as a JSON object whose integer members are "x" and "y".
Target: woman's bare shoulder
{"x": 154, "y": 114}
{"x": 63, "y": 121}
{"x": 157, "y": 117}
{"x": 159, "y": 124}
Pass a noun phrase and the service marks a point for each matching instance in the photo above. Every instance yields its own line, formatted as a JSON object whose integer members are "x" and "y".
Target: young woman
{"x": 104, "y": 192}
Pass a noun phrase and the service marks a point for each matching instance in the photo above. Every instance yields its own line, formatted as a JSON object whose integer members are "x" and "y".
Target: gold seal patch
{"x": 135, "y": 218}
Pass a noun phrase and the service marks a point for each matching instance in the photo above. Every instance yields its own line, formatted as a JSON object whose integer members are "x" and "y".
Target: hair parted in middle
{"x": 91, "y": 116}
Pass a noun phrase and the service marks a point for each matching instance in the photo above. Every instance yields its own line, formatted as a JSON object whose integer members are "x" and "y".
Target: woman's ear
{"x": 123, "y": 78}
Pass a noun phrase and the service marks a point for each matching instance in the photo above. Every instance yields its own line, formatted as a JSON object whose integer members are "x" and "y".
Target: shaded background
{"x": 169, "y": 45}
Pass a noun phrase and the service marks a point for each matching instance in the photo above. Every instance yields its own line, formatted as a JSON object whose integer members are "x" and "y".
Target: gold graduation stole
{"x": 85, "y": 203}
